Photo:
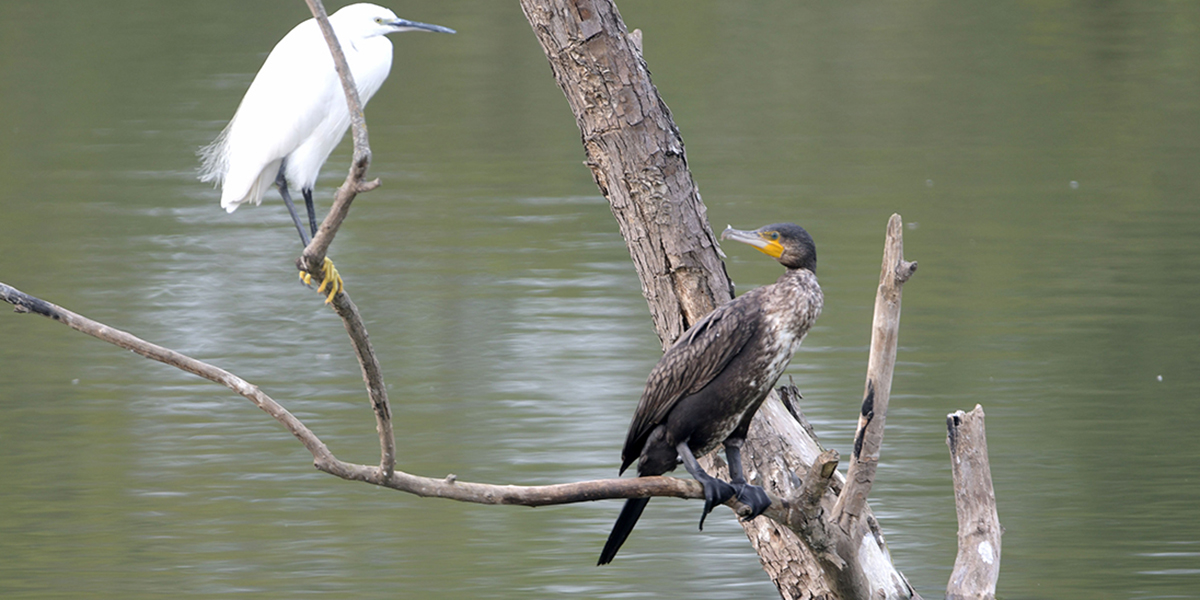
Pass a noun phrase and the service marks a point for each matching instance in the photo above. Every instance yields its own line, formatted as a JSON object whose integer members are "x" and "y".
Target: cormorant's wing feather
{"x": 689, "y": 365}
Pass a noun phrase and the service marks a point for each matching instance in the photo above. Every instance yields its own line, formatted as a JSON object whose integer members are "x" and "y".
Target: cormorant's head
{"x": 787, "y": 243}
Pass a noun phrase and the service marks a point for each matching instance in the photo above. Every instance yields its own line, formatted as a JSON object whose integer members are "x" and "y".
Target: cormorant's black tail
{"x": 620, "y": 532}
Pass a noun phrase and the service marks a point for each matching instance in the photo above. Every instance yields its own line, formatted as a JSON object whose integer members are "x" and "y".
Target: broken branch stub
{"x": 885, "y": 332}
{"x": 977, "y": 566}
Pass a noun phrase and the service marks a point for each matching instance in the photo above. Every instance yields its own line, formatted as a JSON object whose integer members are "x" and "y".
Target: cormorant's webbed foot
{"x": 716, "y": 492}
{"x": 750, "y": 495}
{"x": 754, "y": 497}
{"x": 330, "y": 279}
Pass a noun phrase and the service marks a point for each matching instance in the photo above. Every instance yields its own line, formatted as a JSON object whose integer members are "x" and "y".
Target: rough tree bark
{"x": 637, "y": 158}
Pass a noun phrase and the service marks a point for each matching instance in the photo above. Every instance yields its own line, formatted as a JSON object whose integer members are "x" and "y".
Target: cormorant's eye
{"x": 774, "y": 236}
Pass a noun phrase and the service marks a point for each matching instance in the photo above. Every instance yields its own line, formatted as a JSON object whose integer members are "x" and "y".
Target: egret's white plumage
{"x": 294, "y": 113}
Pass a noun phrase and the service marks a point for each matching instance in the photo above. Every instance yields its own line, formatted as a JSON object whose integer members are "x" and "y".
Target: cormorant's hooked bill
{"x": 788, "y": 243}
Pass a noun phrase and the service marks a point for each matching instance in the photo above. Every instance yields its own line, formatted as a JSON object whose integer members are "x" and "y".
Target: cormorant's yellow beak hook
{"x": 767, "y": 242}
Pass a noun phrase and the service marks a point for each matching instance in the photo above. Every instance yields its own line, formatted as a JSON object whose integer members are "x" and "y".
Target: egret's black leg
{"x": 716, "y": 492}
{"x": 281, "y": 181}
{"x": 312, "y": 211}
{"x": 331, "y": 279}
{"x": 750, "y": 495}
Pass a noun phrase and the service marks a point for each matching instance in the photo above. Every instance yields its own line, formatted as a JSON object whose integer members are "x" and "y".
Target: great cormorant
{"x": 708, "y": 385}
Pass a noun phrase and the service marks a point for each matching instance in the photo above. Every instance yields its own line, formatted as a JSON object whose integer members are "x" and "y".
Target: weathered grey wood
{"x": 816, "y": 529}
{"x": 861, "y": 542}
{"x": 977, "y": 567}
{"x": 885, "y": 333}
{"x": 783, "y": 448}
{"x": 850, "y": 545}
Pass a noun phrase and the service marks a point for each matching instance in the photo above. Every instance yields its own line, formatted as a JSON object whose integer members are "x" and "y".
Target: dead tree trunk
{"x": 977, "y": 566}
{"x": 637, "y": 158}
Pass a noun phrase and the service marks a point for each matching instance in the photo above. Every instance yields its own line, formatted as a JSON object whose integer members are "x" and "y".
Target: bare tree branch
{"x": 448, "y": 487}
{"x": 372, "y": 374}
{"x": 312, "y": 260}
{"x": 24, "y": 303}
{"x": 637, "y": 159}
{"x": 804, "y": 511}
{"x": 885, "y": 334}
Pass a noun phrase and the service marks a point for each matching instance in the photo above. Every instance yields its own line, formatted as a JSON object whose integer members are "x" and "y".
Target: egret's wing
{"x": 370, "y": 60}
{"x": 283, "y": 106}
{"x": 689, "y": 365}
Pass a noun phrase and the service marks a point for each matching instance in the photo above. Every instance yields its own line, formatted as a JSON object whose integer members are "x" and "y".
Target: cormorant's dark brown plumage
{"x": 708, "y": 385}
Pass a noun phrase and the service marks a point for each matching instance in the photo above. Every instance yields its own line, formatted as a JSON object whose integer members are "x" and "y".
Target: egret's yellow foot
{"x": 330, "y": 279}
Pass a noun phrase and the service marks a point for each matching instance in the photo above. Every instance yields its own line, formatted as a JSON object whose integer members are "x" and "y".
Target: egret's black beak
{"x": 406, "y": 25}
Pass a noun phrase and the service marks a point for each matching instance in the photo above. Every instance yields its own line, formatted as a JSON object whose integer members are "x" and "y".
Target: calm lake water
{"x": 1044, "y": 156}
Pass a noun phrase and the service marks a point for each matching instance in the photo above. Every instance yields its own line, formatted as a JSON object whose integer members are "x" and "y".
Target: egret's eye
{"x": 379, "y": 20}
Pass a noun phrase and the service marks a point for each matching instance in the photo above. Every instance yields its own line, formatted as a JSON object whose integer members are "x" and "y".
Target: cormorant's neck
{"x": 793, "y": 271}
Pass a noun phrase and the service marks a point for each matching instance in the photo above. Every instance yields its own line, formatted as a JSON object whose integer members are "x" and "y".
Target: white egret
{"x": 295, "y": 113}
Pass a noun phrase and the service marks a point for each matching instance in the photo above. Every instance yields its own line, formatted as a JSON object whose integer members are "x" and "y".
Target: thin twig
{"x": 372, "y": 374}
